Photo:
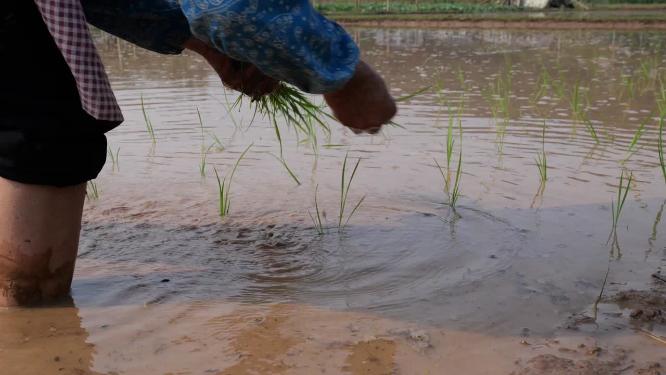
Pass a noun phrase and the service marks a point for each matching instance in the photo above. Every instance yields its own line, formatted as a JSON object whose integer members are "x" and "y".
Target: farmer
{"x": 56, "y": 103}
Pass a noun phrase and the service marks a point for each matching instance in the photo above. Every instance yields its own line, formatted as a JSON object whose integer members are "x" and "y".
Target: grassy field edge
{"x": 520, "y": 19}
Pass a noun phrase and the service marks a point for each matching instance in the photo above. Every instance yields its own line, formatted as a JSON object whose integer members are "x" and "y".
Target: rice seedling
{"x": 503, "y": 93}
{"x": 407, "y": 97}
{"x": 450, "y": 143}
{"x": 202, "y": 162}
{"x": 452, "y": 192}
{"x": 455, "y": 192}
{"x": 344, "y": 193}
{"x": 201, "y": 126}
{"x": 590, "y": 129}
{"x": 631, "y": 148}
{"x": 494, "y": 105}
{"x": 202, "y": 166}
{"x": 92, "y": 191}
{"x": 224, "y": 186}
{"x": 317, "y": 218}
{"x": 616, "y": 210}
{"x": 655, "y": 225}
{"x": 291, "y": 173}
{"x": 230, "y": 109}
{"x": 559, "y": 88}
{"x": 660, "y": 147}
{"x": 541, "y": 159}
{"x": 444, "y": 173}
{"x": 595, "y": 306}
{"x": 661, "y": 99}
{"x": 544, "y": 83}
{"x": 618, "y": 205}
{"x": 537, "y": 200}
{"x": 115, "y": 164}
{"x": 499, "y": 97}
{"x": 295, "y": 108}
{"x": 637, "y": 135}
{"x": 450, "y": 140}
{"x": 461, "y": 79}
{"x": 217, "y": 144}
{"x": 577, "y": 102}
{"x": 629, "y": 85}
{"x": 647, "y": 71}
{"x": 500, "y": 133}
{"x": 223, "y": 191}
{"x": 204, "y": 150}
{"x": 149, "y": 124}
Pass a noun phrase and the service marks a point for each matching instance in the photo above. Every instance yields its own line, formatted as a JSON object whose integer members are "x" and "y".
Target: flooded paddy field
{"x": 540, "y": 265}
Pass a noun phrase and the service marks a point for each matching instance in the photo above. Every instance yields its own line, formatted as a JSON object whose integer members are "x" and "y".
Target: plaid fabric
{"x": 67, "y": 23}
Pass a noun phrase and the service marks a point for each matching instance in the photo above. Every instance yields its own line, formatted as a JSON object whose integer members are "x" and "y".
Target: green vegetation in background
{"x": 445, "y": 12}
{"x": 619, "y": 2}
{"x": 386, "y": 7}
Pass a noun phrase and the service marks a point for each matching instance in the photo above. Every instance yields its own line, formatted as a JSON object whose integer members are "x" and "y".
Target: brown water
{"x": 164, "y": 285}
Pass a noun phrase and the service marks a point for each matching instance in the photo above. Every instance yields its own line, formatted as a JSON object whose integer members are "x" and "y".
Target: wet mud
{"x": 647, "y": 306}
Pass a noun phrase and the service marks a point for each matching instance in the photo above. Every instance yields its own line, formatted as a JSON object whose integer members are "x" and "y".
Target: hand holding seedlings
{"x": 237, "y": 75}
{"x": 363, "y": 104}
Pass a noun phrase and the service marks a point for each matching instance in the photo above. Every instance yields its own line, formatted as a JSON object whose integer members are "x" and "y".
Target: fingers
{"x": 373, "y": 130}
{"x": 242, "y": 76}
{"x": 364, "y": 103}
{"x": 256, "y": 84}
{"x": 237, "y": 75}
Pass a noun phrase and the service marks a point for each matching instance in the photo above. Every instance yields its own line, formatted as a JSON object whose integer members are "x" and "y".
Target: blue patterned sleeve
{"x": 157, "y": 25}
{"x": 286, "y": 39}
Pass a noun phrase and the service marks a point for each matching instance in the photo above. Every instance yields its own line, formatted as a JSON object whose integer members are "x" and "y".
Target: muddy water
{"x": 164, "y": 285}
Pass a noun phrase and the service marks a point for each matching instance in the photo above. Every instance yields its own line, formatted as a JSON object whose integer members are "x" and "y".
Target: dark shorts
{"x": 46, "y": 137}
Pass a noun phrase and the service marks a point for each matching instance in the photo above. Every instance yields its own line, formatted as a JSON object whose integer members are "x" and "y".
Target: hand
{"x": 237, "y": 75}
{"x": 364, "y": 103}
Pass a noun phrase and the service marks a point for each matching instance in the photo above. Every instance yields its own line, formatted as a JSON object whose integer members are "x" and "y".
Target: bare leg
{"x": 39, "y": 237}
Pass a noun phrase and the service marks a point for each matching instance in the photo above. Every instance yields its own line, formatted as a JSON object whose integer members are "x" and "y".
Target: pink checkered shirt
{"x": 67, "y": 23}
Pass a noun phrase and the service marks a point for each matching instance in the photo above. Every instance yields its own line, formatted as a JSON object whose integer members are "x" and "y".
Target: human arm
{"x": 246, "y": 45}
{"x": 160, "y": 26}
{"x": 291, "y": 42}
{"x": 156, "y": 25}
{"x": 363, "y": 103}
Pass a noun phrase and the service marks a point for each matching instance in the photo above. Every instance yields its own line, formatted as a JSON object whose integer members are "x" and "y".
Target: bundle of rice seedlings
{"x": 288, "y": 103}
